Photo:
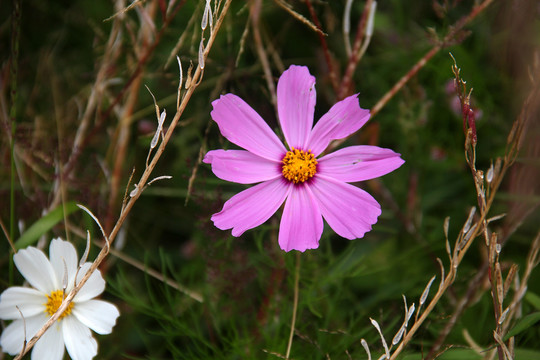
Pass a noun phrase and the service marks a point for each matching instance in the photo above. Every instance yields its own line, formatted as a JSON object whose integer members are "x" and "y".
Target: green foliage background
{"x": 247, "y": 283}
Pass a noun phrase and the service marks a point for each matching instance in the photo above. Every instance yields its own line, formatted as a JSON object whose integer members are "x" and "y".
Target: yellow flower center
{"x": 53, "y": 303}
{"x": 299, "y": 165}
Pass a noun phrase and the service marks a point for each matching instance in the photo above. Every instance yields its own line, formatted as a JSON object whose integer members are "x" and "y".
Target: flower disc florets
{"x": 311, "y": 183}
{"x": 53, "y": 303}
{"x": 51, "y": 279}
{"x": 299, "y": 165}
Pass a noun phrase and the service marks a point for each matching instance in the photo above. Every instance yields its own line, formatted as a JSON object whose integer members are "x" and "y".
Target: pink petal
{"x": 349, "y": 210}
{"x": 301, "y": 223}
{"x": 359, "y": 163}
{"x": 241, "y": 166}
{"x": 252, "y": 207}
{"x": 241, "y": 125}
{"x": 296, "y": 98}
{"x": 343, "y": 119}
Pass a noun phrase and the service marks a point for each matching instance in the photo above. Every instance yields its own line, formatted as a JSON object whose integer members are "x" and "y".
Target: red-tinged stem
{"x": 422, "y": 62}
{"x": 103, "y": 116}
{"x": 324, "y": 44}
{"x": 345, "y": 86}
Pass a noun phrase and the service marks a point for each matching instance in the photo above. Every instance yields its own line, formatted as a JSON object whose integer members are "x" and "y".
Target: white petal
{"x": 51, "y": 345}
{"x": 98, "y": 315}
{"x": 78, "y": 338}
{"x": 36, "y": 268}
{"x": 12, "y": 338}
{"x": 61, "y": 252}
{"x": 93, "y": 287}
{"x": 30, "y": 302}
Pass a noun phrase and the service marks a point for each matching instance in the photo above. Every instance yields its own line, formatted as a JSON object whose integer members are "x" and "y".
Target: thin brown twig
{"x": 6, "y": 234}
{"x": 104, "y": 115}
{"x": 472, "y": 290}
{"x": 322, "y": 38}
{"x": 454, "y": 30}
{"x": 345, "y": 85}
{"x": 144, "y": 178}
{"x": 299, "y": 17}
{"x": 465, "y": 238}
{"x": 255, "y": 13}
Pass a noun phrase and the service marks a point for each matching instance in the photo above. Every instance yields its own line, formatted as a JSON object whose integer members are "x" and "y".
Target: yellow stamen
{"x": 299, "y": 165}
{"x": 53, "y": 303}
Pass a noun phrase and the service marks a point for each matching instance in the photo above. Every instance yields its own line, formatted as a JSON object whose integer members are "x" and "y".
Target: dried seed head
{"x": 410, "y": 313}
{"x": 371, "y": 19}
{"x": 179, "y": 82}
{"x": 179, "y": 67}
{"x": 426, "y": 291}
{"x": 134, "y": 191}
{"x": 399, "y": 335}
{"x": 85, "y": 209}
{"x": 446, "y": 226}
{"x": 204, "y": 21}
{"x": 385, "y": 345}
{"x": 489, "y": 174}
{"x": 347, "y": 17}
{"x": 500, "y": 290}
{"x": 468, "y": 223}
{"x": 201, "y": 54}
{"x": 187, "y": 84}
{"x": 442, "y": 273}
{"x": 163, "y": 177}
{"x": 366, "y": 348}
{"x": 86, "y": 250}
{"x": 503, "y": 316}
{"x": 467, "y": 237}
{"x": 159, "y": 130}
{"x": 65, "y": 278}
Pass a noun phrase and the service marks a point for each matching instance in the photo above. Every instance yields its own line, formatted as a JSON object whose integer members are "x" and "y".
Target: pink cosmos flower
{"x": 312, "y": 187}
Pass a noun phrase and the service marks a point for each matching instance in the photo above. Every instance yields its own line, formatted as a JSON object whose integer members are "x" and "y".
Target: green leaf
{"x": 44, "y": 224}
{"x": 533, "y": 299}
{"x": 526, "y": 354}
{"x": 523, "y": 324}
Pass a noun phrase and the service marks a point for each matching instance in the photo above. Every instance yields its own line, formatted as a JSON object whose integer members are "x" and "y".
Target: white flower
{"x": 38, "y": 303}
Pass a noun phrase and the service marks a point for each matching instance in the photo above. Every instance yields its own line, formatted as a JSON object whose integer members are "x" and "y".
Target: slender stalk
{"x": 434, "y": 50}
{"x": 455, "y": 30}
{"x": 324, "y": 44}
{"x": 255, "y": 13}
{"x": 485, "y": 206}
{"x": 354, "y": 58}
{"x": 197, "y": 77}
{"x": 295, "y": 305}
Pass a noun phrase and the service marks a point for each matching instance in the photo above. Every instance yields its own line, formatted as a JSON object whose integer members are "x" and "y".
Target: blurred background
{"x": 82, "y": 120}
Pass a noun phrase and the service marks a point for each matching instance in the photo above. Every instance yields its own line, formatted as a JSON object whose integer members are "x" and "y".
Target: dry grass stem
{"x": 131, "y": 202}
